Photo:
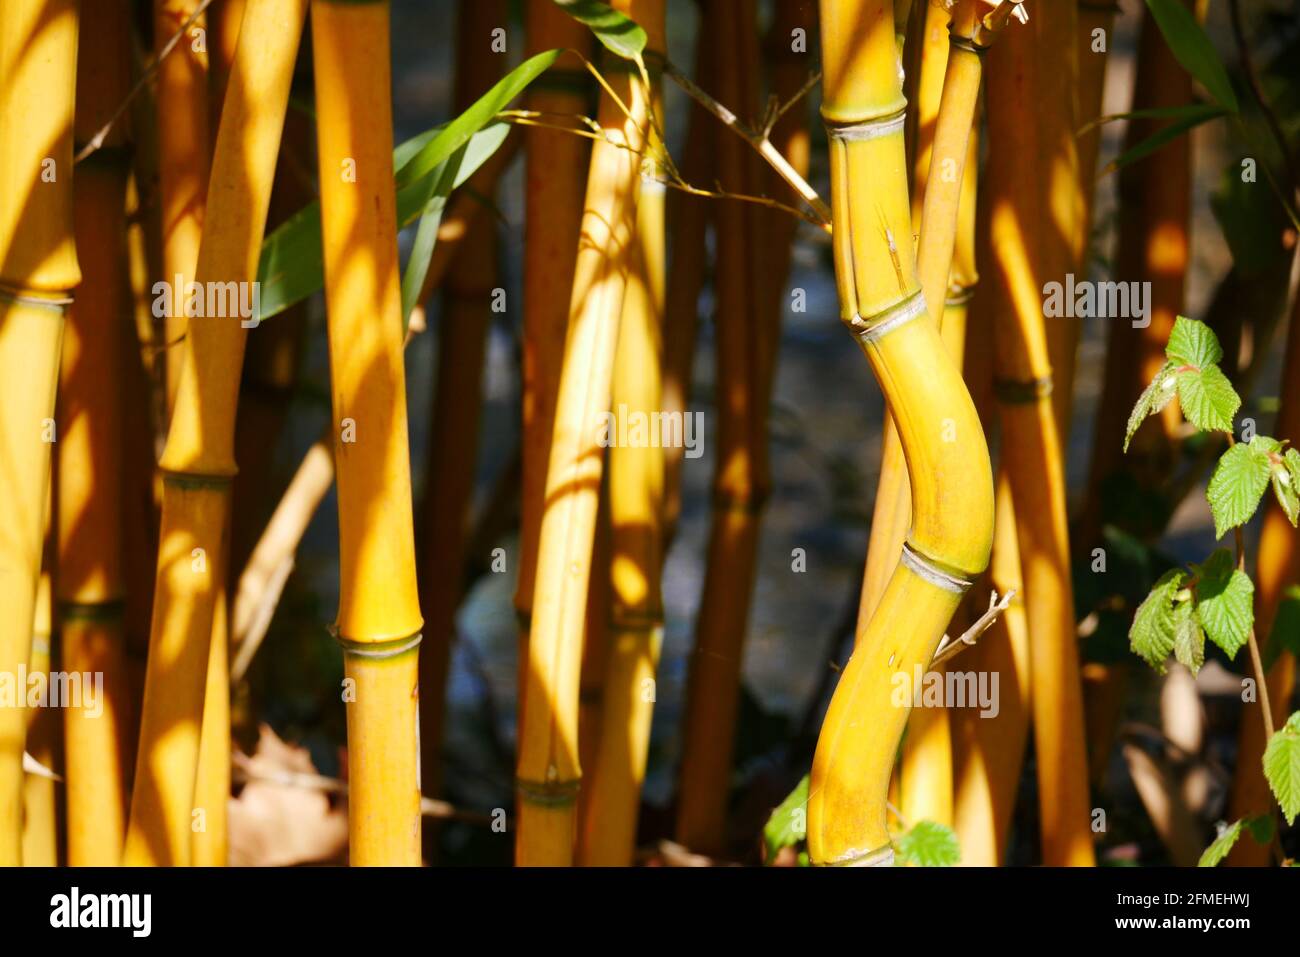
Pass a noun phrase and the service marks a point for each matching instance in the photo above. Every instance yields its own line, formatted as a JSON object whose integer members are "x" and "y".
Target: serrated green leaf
{"x": 1282, "y": 767}
{"x": 1262, "y": 827}
{"x": 1189, "y": 639}
{"x": 1291, "y": 459}
{"x": 617, "y": 32}
{"x": 928, "y": 844}
{"x": 788, "y": 824}
{"x": 1284, "y": 491}
{"x": 1237, "y": 485}
{"x": 1224, "y": 601}
{"x": 1192, "y": 48}
{"x": 1217, "y": 851}
{"x": 1151, "y": 635}
{"x": 1207, "y": 399}
{"x": 1192, "y": 342}
{"x": 1284, "y": 636}
{"x": 1152, "y": 400}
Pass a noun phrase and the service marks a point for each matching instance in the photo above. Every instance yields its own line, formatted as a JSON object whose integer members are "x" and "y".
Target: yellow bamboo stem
{"x": 379, "y": 619}
{"x": 184, "y": 143}
{"x": 210, "y": 837}
{"x": 548, "y": 772}
{"x": 951, "y": 483}
{"x": 40, "y": 815}
{"x": 198, "y": 462}
{"x": 38, "y": 271}
{"x": 1025, "y": 237}
{"x": 636, "y": 470}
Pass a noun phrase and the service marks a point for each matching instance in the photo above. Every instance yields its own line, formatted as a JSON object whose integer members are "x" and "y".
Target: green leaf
{"x": 1292, "y": 462}
{"x": 1284, "y": 490}
{"x": 1237, "y": 485}
{"x": 1153, "y": 631}
{"x": 1284, "y": 636}
{"x": 1282, "y": 767}
{"x": 618, "y": 33}
{"x": 788, "y": 824}
{"x": 1152, "y": 400}
{"x": 1224, "y": 601}
{"x": 1166, "y": 134}
{"x": 1208, "y": 399}
{"x": 1189, "y": 639}
{"x": 1193, "y": 49}
{"x": 1262, "y": 827}
{"x": 1192, "y": 342}
{"x": 1217, "y": 851}
{"x": 928, "y": 844}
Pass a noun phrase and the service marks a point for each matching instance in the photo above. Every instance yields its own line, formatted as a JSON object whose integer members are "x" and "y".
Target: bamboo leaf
{"x": 1237, "y": 485}
{"x": 1166, "y": 134}
{"x": 928, "y": 844}
{"x": 1224, "y": 601}
{"x": 1153, "y": 631}
{"x": 1192, "y": 48}
{"x": 1154, "y": 113}
{"x": 788, "y": 824}
{"x": 618, "y": 33}
{"x": 1282, "y": 767}
{"x": 1216, "y": 852}
{"x": 291, "y": 266}
{"x": 1152, "y": 400}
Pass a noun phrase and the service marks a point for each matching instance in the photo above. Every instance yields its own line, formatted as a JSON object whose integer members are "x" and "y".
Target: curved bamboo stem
{"x": 38, "y": 271}
{"x": 952, "y": 489}
{"x": 379, "y": 619}
{"x": 548, "y": 771}
{"x": 198, "y": 462}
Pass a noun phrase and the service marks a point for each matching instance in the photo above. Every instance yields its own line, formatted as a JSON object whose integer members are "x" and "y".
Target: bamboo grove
{"x": 542, "y": 296}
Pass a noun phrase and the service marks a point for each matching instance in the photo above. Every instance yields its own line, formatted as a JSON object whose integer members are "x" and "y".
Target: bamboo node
{"x": 930, "y": 570}
{"x": 876, "y": 857}
{"x": 868, "y": 129}
{"x": 377, "y": 650}
{"x": 101, "y": 611}
{"x": 58, "y": 304}
{"x": 548, "y": 793}
{"x": 1022, "y": 392}
{"x": 880, "y": 325}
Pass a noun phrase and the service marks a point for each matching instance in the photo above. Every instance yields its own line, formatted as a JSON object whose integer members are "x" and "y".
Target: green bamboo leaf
{"x": 1166, "y": 134}
{"x": 618, "y": 33}
{"x": 1183, "y": 112}
{"x": 1153, "y": 631}
{"x": 1224, "y": 601}
{"x": 1152, "y": 400}
{"x": 928, "y": 844}
{"x": 1192, "y": 342}
{"x": 1282, "y": 767}
{"x": 788, "y": 824}
{"x": 1217, "y": 851}
{"x": 1237, "y": 485}
{"x": 1192, "y": 48}
{"x": 1207, "y": 399}
{"x": 1189, "y": 639}
{"x": 1284, "y": 636}
{"x": 291, "y": 266}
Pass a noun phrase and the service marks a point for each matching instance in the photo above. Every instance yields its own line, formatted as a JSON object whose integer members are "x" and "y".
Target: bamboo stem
{"x": 40, "y": 814}
{"x": 548, "y": 772}
{"x": 379, "y": 619}
{"x": 198, "y": 462}
{"x": 38, "y": 271}
{"x": 952, "y": 487}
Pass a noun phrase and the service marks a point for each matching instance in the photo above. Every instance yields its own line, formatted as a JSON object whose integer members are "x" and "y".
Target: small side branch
{"x": 950, "y": 647}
